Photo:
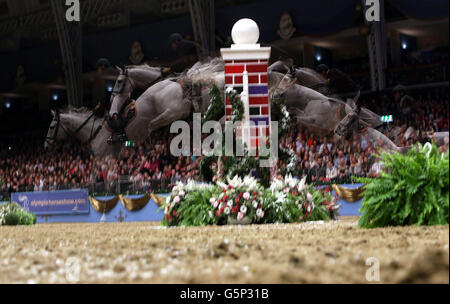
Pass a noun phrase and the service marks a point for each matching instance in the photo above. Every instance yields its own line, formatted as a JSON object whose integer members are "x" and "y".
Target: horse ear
{"x": 351, "y": 103}
{"x": 53, "y": 113}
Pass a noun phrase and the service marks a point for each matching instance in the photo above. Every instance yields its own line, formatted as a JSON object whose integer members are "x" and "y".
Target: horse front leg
{"x": 165, "y": 118}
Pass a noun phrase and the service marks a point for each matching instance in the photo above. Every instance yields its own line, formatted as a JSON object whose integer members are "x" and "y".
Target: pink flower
{"x": 309, "y": 196}
{"x": 286, "y": 190}
{"x": 216, "y": 203}
{"x": 240, "y": 216}
{"x": 246, "y": 195}
{"x": 176, "y": 199}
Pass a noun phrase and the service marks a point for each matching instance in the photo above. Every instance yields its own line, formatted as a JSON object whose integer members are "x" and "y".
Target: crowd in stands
{"x": 26, "y": 166}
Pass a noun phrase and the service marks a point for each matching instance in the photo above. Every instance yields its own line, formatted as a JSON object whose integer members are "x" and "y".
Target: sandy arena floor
{"x": 334, "y": 252}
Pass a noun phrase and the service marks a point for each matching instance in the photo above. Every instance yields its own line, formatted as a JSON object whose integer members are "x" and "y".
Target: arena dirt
{"x": 334, "y": 252}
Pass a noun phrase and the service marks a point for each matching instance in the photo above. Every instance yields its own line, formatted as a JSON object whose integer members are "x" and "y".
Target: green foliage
{"x": 205, "y": 167}
{"x": 12, "y": 214}
{"x": 279, "y": 109}
{"x": 216, "y": 108}
{"x": 413, "y": 190}
{"x": 237, "y": 113}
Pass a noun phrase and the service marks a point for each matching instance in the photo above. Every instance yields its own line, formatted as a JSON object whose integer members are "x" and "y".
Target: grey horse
{"x": 82, "y": 125}
{"x": 130, "y": 78}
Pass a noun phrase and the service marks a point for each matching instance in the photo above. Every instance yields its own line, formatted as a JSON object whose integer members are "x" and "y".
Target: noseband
{"x": 52, "y": 139}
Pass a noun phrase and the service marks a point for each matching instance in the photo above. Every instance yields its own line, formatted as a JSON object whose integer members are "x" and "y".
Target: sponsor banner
{"x": 55, "y": 202}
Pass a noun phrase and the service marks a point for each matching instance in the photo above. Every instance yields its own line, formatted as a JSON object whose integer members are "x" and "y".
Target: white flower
{"x": 230, "y": 203}
{"x": 289, "y": 180}
{"x": 240, "y": 216}
{"x": 301, "y": 186}
{"x": 167, "y": 209}
{"x": 229, "y": 90}
{"x": 216, "y": 203}
{"x": 246, "y": 195}
{"x": 260, "y": 213}
{"x": 175, "y": 188}
{"x": 255, "y": 204}
{"x": 243, "y": 209}
{"x": 276, "y": 185}
{"x": 221, "y": 206}
{"x": 212, "y": 200}
{"x": 182, "y": 193}
{"x": 227, "y": 210}
{"x": 309, "y": 196}
{"x": 308, "y": 209}
{"x": 176, "y": 199}
{"x": 210, "y": 214}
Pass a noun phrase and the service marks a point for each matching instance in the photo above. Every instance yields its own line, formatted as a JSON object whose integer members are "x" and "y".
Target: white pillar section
{"x": 244, "y": 99}
{"x": 246, "y": 65}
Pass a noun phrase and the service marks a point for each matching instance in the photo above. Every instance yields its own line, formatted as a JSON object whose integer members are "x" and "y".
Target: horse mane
{"x": 143, "y": 66}
{"x": 204, "y": 71}
{"x": 71, "y": 110}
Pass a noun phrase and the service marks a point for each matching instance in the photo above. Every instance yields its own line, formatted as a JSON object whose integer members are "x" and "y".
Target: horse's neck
{"x": 144, "y": 77}
{"x": 73, "y": 123}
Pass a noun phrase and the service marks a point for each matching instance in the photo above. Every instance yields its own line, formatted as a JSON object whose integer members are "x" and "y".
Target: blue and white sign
{"x": 55, "y": 202}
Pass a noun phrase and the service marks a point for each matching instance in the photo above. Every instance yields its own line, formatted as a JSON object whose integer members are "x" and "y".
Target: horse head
{"x": 351, "y": 121}
{"x": 53, "y": 134}
{"x": 121, "y": 92}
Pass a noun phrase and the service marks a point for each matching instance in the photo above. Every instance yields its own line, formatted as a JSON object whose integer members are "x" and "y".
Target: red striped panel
{"x": 235, "y": 69}
{"x": 239, "y": 79}
{"x": 256, "y": 68}
{"x": 263, "y": 78}
{"x": 253, "y": 79}
{"x": 254, "y": 131}
{"x": 229, "y": 80}
{"x": 227, "y": 101}
{"x": 259, "y": 100}
{"x": 228, "y": 111}
{"x": 264, "y": 110}
{"x": 264, "y": 131}
{"x": 254, "y": 142}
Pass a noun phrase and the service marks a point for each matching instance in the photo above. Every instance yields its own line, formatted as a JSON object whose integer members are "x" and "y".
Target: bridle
{"x": 52, "y": 139}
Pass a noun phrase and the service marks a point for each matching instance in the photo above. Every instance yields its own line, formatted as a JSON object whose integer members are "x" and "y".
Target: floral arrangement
{"x": 294, "y": 197}
{"x": 239, "y": 199}
{"x": 188, "y": 205}
{"x": 245, "y": 201}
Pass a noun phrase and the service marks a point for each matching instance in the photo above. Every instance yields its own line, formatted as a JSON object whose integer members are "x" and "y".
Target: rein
{"x": 92, "y": 136}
